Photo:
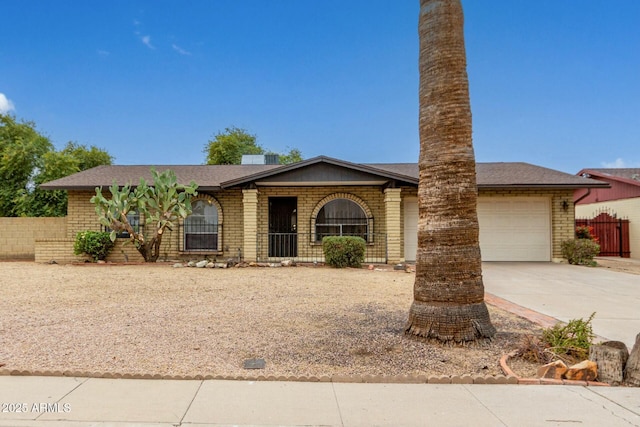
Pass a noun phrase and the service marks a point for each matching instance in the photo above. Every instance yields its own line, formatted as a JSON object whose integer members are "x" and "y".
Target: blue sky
{"x": 553, "y": 82}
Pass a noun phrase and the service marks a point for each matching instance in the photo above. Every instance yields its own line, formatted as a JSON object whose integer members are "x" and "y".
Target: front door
{"x": 283, "y": 225}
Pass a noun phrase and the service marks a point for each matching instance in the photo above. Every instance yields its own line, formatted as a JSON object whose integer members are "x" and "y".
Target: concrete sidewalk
{"x": 568, "y": 292}
{"x": 63, "y": 401}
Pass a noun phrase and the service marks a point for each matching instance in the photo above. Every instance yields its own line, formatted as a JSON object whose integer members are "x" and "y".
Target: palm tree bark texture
{"x": 448, "y": 291}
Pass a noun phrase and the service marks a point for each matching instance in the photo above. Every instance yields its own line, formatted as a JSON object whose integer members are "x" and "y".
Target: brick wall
{"x": 82, "y": 217}
{"x": 308, "y": 200}
{"x": 18, "y": 235}
{"x": 81, "y": 213}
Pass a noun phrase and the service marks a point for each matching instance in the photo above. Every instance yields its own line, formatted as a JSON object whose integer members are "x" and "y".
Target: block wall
{"x": 18, "y": 235}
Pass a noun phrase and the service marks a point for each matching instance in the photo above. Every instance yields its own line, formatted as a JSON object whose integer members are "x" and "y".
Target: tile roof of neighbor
{"x": 211, "y": 177}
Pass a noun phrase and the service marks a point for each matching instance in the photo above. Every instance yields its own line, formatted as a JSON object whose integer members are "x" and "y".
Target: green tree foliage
{"x": 28, "y": 159}
{"x": 227, "y": 148}
{"x": 293, "y": 156}
{"x": 161, "y": 205}
{"x": 22, "y": 149}
{"x": 58, "y": 164}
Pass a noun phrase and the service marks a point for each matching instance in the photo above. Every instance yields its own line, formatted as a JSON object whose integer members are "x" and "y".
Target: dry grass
{"x": 161, "y": 320}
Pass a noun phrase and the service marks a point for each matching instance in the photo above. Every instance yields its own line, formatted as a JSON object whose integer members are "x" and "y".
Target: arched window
{"x": 202, "y": 228}
{"x": 341, "y": 217}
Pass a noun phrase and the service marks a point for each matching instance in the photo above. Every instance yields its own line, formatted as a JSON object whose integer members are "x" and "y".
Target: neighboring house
{"x": 271, "y": 212}
{"x": 622, "y": 199}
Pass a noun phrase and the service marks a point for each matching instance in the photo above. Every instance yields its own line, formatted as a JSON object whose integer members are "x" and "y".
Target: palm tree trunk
{"x": 448, "y": 292}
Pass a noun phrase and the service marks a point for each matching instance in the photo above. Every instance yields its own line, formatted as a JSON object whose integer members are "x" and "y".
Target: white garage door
{"x": 515, "y": 229}
{"x": 511, "y": 229}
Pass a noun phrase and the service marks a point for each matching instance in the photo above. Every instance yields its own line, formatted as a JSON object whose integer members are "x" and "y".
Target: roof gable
{"x": 322, "y": 171}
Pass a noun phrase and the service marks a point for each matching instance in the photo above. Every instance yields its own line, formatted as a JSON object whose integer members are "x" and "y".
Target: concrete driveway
{"x": 571, "y": 292}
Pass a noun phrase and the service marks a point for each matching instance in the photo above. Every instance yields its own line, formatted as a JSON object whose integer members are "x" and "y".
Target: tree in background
{"x": 22, "y": 149}
{"x": 448, "y": 294}
{"x": 227, "y": 148}
{"x": 28, "y": 159}
{"x": 71, "y": 159}
{"x": 160, "y": 205}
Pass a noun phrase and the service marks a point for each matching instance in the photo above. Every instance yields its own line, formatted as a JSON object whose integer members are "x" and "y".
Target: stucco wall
{"x": 626, "y": 209}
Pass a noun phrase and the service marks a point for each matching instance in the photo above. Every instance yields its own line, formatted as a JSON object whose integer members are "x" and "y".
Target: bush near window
{"x": 343, "y": 251}
{"x": 96, "y": 244}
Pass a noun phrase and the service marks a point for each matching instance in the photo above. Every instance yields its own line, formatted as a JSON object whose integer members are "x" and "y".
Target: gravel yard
{"x": 155, "y": 319}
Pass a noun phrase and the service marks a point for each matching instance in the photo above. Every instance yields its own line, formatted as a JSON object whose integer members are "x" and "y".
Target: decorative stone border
{"x": 547, "y": 381}
{"x": 379, "y": 379}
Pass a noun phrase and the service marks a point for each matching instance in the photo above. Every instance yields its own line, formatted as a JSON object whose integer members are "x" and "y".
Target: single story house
{"x": 271, "y": 212}
{"x": 621, "y": 199}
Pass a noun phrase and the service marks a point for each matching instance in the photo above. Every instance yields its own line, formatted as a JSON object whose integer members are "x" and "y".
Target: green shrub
{"x": 580, "y": 251}
{"x": 343, "y": 251}
{"x": 96, "y": 244}
{"x": 571, "y": 341}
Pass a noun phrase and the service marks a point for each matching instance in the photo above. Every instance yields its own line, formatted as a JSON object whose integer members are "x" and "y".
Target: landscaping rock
{"x": 202, "y": 264}
{"x": 583, "y": 371}
{"x": 191, "y": 264}
{"x": 632, "y": 370}
{"x": 221, "y": 265}
{"x": 554, "y": 370}
{"x": 178, "y": 265}
{"x": 611, "y": 358}
{"x": 286, "y": 263}
{"x": 211, "y": 265}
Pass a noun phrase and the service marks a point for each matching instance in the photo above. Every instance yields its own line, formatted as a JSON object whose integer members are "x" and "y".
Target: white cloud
{"x": 5, "y": 104}
{"x": 146, "y": 40}
{"x": 180, "y": 50}
{"x": 617, "y": 163}
{"x": 620, "y": 163}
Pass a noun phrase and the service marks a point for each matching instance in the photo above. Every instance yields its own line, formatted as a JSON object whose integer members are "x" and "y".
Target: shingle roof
{"x": 207, "y": 177}
{"x": 212, "y": 177}
{"x": 513, "y": 174}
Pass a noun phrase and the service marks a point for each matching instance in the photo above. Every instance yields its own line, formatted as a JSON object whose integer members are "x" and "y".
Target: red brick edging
{"x": 401, "y": 379}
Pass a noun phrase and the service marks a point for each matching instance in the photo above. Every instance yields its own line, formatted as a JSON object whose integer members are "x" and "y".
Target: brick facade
{"x": 245, "y": 215}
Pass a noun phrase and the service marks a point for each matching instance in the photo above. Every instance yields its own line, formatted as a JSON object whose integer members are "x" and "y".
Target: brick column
{"x": 392, "y": 211}
{"x": 250, "y": 229}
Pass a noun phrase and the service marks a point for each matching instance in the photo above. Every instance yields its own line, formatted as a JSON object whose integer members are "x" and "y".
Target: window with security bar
{"x": 342, "y": 217}
{"x": 201, "y": 227}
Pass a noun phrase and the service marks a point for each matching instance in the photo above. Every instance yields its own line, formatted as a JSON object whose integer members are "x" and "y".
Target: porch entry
{"x": 283, "y": 226}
